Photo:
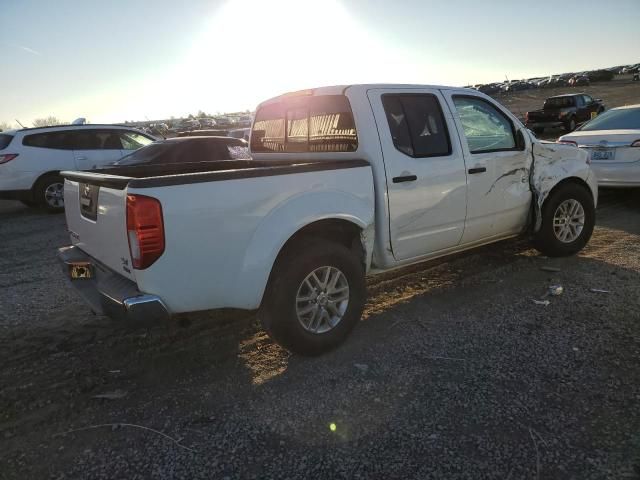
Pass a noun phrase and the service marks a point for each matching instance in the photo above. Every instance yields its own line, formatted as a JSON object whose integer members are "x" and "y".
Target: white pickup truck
{"x": 344, "y": 182}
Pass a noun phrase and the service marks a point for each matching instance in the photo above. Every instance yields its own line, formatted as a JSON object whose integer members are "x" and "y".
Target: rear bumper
{"x": 111, "y": 294}
{"x": 617, "y": 174}
{"x": 26, "y": 195}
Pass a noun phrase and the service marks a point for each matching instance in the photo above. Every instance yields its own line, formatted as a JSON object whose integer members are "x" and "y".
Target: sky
{"x": 117, "y": 60}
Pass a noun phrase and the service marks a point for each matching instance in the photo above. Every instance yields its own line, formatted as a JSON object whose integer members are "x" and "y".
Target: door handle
{"x": 405, "y": 178}
{"x": 477, "y": 170}
{"x": 81, "y": 158}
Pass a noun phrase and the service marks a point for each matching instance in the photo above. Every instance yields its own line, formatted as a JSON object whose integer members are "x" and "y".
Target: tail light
{"x": 145, "y": 229}
{"x": 634, "y": 144}
{"x": 7, "y": 157}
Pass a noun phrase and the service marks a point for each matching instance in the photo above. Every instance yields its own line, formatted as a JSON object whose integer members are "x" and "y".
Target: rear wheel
{"x": 315, "y": 297}
{"x": 568, "y": 218}
{"x": 49, "y": 193}
{"x": 570, "y": 126}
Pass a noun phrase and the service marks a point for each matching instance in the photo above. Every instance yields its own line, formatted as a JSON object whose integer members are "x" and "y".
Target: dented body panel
{"x": 553, "y": 163}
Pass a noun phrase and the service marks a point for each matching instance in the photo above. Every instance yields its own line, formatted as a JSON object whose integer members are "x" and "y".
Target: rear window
{"x": 623, "y": 119}
{"x": 559, "y": 102}
{"x": 5, "y": 140}
{"x": 305, "y": 124}
{"x": 185, "y": 152}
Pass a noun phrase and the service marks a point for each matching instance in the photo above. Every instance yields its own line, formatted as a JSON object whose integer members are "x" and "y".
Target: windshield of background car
{"x": 321, "y": 123}
{"x": 559, "y": 102}
{"x": 623, "y": 119}
{"x": 200, "y": 150}
{"x": 5, "y": 140}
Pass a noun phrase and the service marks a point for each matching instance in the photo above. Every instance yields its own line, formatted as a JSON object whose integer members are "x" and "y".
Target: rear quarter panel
{"x": 223, "y": 237}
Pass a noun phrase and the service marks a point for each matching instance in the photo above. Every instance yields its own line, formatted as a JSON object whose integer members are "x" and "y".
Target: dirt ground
{"x": 454, "y": 373}
{"x": 619, "y": 92}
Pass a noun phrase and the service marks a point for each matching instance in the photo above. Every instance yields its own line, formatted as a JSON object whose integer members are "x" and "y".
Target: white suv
{"x": 31, "y": 158}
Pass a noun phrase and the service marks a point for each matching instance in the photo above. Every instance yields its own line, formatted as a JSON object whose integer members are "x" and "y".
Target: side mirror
{"x": 520, "y": 141}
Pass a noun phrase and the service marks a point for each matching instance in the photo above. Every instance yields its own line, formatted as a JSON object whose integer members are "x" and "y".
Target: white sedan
{"x": 613, "y": 142}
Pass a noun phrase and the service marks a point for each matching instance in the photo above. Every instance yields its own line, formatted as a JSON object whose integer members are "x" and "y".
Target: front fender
{"x": 553, "y": 163}
{"x": 288, "y": 218}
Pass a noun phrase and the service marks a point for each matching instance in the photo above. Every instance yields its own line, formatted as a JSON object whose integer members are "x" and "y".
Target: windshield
{"x": 623, "y": 119}
{"x": 558, "y": 102}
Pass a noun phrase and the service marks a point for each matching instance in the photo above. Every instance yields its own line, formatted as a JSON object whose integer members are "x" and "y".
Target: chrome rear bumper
{"x": 109, "y": 293}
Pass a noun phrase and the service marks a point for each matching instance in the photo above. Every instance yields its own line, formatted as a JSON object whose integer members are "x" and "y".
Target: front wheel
{"x": 315, "y": 297}
{"x": 568, "y": 218}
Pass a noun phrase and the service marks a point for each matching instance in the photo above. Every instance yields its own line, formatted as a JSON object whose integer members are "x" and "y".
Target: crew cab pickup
{"x": 344, "y": 182}
{"x": 566, "y": 111}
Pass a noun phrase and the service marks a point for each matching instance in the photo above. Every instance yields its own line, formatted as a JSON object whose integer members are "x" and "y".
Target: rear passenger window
{"x": 5, "y": 140}
{"x": 305, "y": 124}
{"x": 417, "y": 125}
{"x": 57, "y": 140}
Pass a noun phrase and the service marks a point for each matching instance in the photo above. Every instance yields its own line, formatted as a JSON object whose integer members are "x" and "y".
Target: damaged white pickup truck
{"x": 343, "y": 182}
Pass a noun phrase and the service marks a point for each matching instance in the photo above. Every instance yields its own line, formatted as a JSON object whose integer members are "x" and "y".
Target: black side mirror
{"x": 520, "y": 142}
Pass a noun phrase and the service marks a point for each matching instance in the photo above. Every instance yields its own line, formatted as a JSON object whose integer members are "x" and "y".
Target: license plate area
{"x": 89, "y": 200}
{"x": 608, "y": 154}
{"x": 81, "y": 271}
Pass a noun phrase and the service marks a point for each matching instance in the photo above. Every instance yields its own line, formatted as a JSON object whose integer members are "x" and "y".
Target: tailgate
{"x": 96, "y": 219}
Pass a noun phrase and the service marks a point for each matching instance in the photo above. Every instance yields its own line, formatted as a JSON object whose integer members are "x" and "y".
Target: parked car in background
{"x": 489, "y": 88}
{"x": 223, "y": 122}
{"x": 579, "y": 80}
{"x": 566, "y": 111}
{"x": 240, "y": 133}
{"x": 31, "y": 158}
{"x": 636, "y": 77}
{"x": 601, "y": 75}
{"x": 631, "y": 68}
{"x": 612, "y": 141}
{"x": 207, "y": 122}
{"x": 389, "y": 175}
{"x": 188, "y": 125}
{"x": 186, "y": 150}
{"x": 218, "y": 132}
{"x": 244, "y": 121}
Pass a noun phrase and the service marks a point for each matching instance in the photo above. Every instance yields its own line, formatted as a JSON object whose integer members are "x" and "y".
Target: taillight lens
{"x": 7, "y": 157}
{"x": 145, "y": 229}
{"x": 636, "y": 143}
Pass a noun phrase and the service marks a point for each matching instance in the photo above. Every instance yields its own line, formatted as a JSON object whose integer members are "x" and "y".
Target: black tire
{"x": 41, "y": 193}
{"x": 538, "y": 130}
{"x": 570, "y": 125}
{"x": 29, "y": 203}
{"x": 546, "y": 240}
{"x": 278, "y": 311}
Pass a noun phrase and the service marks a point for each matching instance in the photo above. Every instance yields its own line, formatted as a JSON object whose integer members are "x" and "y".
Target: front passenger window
{"x": 485, "y": 127}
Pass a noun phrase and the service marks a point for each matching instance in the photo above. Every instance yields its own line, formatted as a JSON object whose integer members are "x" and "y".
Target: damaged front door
{"x": 497, "y": 159}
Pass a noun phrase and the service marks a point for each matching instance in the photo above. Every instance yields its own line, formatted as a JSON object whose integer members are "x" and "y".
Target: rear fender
{"x": 290, "y": 217}
{"x": 553, "y": 163}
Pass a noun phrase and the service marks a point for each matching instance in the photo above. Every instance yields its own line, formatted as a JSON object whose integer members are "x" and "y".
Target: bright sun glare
{"x": 277, "y": 46}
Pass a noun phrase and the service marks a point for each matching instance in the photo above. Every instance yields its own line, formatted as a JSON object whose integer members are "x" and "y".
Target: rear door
{"x": 424, "y": 164}
{"x": 93, "y": 148}
{"x": 498, "y": 195}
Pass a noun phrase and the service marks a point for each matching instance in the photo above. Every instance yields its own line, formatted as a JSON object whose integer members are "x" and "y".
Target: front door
{"x": 498, "y": 165}
{"x": 425, "y": 170}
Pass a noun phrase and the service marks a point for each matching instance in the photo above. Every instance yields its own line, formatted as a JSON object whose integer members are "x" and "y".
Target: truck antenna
{"x": 20, "y": 123}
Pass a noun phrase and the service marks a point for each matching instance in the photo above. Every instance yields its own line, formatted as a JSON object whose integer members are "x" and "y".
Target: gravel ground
{"x": 454, "y": 374}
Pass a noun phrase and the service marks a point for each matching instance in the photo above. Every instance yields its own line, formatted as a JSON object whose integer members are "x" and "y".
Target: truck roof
{"x": 341, "y": 89}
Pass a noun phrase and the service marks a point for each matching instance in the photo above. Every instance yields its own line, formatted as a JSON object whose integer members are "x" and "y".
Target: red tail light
{"x": 145, "y": 229}
{"x": 7, "y": 157}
